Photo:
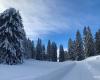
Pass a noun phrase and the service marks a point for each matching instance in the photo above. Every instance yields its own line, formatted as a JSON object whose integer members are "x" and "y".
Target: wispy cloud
{"x": 40, "y": 17}
{"x": 43, "y": 17}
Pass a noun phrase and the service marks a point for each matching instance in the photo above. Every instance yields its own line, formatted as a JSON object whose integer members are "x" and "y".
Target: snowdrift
{"x": 88, "y": 69}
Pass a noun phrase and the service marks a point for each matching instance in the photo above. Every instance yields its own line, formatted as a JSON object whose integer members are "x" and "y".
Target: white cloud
{"x": 40, "y": 17}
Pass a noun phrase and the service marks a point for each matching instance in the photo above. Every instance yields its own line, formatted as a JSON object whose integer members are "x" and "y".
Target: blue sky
{"x": 57, "y": 20}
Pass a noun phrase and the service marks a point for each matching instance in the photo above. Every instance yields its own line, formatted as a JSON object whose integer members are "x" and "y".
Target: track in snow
{"x": 57, "y": 74}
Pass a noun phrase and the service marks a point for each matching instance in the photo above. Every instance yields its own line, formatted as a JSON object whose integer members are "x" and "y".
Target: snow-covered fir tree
{"x": 11, "y": 37}
{"x": 29, "y": 49}
{"x": 79, "y": 46}
{"x": 61, "y": 54}
{"x": 66, "y": 55}
{"x": 71, "y": 49}
{"x": 97, "y": 42}
{"x": 89, "y": 47}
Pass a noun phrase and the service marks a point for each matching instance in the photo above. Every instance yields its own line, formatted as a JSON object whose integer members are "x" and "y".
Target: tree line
{"x": 78, "y": 49}
{"x": 14, "y": 46}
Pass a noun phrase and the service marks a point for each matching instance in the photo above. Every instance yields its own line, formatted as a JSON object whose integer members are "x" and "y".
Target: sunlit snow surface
{"x": 88, "y": 69}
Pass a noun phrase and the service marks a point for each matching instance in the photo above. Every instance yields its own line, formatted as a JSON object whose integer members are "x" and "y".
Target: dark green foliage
{"x": 89, "y": 46}
{"x": 39, "y": 49}
{"x": 54, "y": 52}
{"x": 29, "y": 49}
{"x": 49, "y": 50}
{"x": 71, "y": 49}
{"x": 97, "y": 42}
{"x": 79, "y": 47}
{"x": 61, "y": 54}
{"x": 43, "y": 53}
{"x": 33, "y": 51}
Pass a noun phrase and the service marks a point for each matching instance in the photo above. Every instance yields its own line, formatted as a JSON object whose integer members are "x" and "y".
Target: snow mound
{"x": 88, "y": 69}
{"x": 96, "y": 58}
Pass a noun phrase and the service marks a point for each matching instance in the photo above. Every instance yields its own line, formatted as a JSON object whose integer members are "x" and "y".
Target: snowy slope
{"x": 88, "y": 69}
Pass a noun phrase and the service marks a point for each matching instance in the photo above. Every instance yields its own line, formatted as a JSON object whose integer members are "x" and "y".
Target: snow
{"x": 88, "y": 69}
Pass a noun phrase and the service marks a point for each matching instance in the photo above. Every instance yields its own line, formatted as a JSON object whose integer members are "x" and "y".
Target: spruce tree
{"x": 66, "y": 55}
{"x": 33, "y": 54}
{"x": 89, "y": 47}
{"x": 79, "y": 47}
{"x": 11, "y": 37}
{"x": 28, "y": 45}
{"x": 71, "y": 49}
{"x": 39, "y": 49}
{"x": 54, "y": 52}
{"x": 97, "y": 42}
{"x": 61, "y": 54}
{"x": 43, "y": 52}
{"x": 49, "y": 51}
{"x": 70, "y": 45}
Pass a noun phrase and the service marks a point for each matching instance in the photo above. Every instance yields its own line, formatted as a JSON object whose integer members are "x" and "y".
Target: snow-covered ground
{"x": 88, "y": 69}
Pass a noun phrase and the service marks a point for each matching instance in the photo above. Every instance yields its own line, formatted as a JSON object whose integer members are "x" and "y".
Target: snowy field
{"x": 88, "y": 69}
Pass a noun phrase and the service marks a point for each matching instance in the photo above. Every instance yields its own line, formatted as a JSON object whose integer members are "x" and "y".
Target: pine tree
{"x": 54, "y": 52}
{"x": 28, "y": 48}
{"x": 79, "y": 47}
{"x": 49, "y": 51}
{"x": 43, "y": 52}
{"x": 39, "y": 49}
{"x": 85, "y": 41}
{"x": 70, "y": 46}
{"x": 89, "y": 48}
{"x": 11, "y": 37}
{"x": 33, "y": 54}
{"x": 71, "y": 49}
{"x": 97, "y": 42}
{"x": 25, "y": 48}
{"x": 61, "y": 54}
{"x": 66, "y": 55}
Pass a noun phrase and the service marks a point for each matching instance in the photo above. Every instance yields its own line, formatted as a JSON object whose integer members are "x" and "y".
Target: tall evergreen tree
{"x": 79, "y": 47}
{"x": 11, "y": 37}
{"x": 33, "y": 54}
{"x": 71, "y": 49}
{"x": 97, "y": 42}
{"x": 54, "y": 52}
{"x": 89, "y": 48}
{"x": 29, "y": 47}
{"x": 39, "y": 49}
{"x": 43, "y": 52}
{"x": 66, "y": 55}
{"x": 85, "y": 41}
{"x": 49, "y": 51}
{"x": 61, "y": 54}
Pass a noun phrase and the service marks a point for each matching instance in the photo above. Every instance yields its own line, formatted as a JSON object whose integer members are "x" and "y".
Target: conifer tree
{"x": 43, "y": 52}
{"x": 61, "y": 54}
{"x": 49, "y": 51}
{"x": 39, "y": 49}
{"x": 79, "y": 47}
{"x": 33, "y": 54}
{"x": 29, "y": 47}
{"x": 89, "y": 47}
{"x": 11, "y": 37}
{"x": 54, "y": 52}
{"x": 71, "y": 49}
{"x": 66, "y": 55}
{"x": 97, "y": 42}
